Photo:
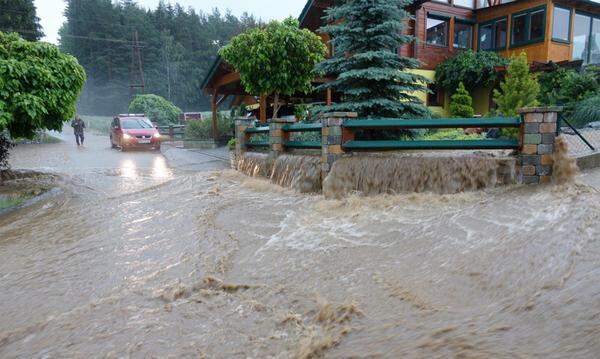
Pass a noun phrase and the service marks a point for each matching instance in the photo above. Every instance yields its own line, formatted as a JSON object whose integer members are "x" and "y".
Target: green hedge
{"x": 202, "y": 129}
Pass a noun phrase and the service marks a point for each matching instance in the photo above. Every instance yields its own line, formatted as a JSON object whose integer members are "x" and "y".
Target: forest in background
{"x": 178, "y": 48}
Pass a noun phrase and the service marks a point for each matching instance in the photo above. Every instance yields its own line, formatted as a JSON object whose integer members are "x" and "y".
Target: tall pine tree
{"x": 19, "y": 16}
{"x": 369, "y": 73}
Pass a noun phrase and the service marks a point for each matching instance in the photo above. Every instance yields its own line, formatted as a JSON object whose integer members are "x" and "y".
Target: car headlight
{"x": 126, "y": 136}
{"x": 157, "y": 135}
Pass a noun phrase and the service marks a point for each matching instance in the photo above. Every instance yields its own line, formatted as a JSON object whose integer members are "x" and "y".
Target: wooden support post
{"x": 329, "y": 97}
{"x": 214, "y": 108}
{"x": 263, "y": 109}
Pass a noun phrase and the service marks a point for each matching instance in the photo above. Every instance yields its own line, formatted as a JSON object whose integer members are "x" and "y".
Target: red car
{"x": 134, "y": 131}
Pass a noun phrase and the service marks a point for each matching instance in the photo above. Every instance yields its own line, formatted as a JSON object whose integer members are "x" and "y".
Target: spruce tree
{"x": 20, "y": 16}
{"x": 370, "y": 75}
{"x": 461, "y": 103}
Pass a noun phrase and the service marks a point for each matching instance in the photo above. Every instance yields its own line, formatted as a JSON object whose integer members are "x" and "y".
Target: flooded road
{"x": 135, "y": 257}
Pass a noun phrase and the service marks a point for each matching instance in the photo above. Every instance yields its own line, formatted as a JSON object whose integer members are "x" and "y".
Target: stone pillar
{"x": 277, "y": 137}
{"x": 538, "y": 133}
{"x": 333, "y": 137}
{"x": 241, "y": 138}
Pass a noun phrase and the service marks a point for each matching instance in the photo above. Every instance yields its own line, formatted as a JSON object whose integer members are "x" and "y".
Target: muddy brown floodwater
{"x": 133, "y": 258}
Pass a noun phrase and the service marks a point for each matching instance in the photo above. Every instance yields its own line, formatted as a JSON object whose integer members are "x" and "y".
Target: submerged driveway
{"x": 137, "y": 258}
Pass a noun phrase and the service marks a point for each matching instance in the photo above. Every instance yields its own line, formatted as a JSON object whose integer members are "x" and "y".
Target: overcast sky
{"x": 50, "y": 12}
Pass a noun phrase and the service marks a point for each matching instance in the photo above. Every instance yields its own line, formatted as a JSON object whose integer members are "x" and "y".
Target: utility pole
{"x": 136, "y": 74}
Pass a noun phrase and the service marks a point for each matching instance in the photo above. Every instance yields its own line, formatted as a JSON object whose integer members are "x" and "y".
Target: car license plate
{"x": 143, "y": 140}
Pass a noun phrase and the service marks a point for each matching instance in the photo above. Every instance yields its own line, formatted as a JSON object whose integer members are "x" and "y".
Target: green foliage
{"x": 461, "y": 103}
{"x": 301, "y": 111}
{"x": 473, "y": 69}
{"x": 159, "y": 110}
{"x": 449, "y": 134}
{"x": 97, "y": 124}
{"x": 586, "y": 111}
{"x": 20, "y": 16}
{"x": 202, "y": 129}
{"x": 275, "y": 60}
{"x": 39, "y": 86}
{"x": 179, "y": 48}
{"x": 5, "y": 146}
{"x": 231, "y": 144}
{"x": 566, "y": 86}
{"x": 519, "y": 89}
{"x": 371, "y": 76}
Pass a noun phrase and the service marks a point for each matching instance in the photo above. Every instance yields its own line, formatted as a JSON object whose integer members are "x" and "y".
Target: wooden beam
{"x": 329, "y": 97}
{"x": 263, "y": 109}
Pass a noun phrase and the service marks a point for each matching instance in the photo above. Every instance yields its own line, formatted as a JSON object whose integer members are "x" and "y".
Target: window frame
{"x": 528, "y": 13}
{"x": 467, "y": 22}
{"x": 441, "y": 17}
{"x": 570, "y": 25}
{"x": 588, "y": 52}
{"x": 493, "y": 22}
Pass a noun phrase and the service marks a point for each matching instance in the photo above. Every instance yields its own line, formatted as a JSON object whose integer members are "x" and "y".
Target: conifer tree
{"x": 20, "y": 16}
{"x": 369, "y": 73}
{"x": 519, "y": 89}
{"x": 461, "y": 103}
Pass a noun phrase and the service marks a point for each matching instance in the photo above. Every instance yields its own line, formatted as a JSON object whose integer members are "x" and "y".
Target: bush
{"x": 461, "y": 103}
{"x": 202, "y": 129}
{"x": 158, "y": 109}
{"x": 473, "y": 69}
{"x": 586, "y": 111}
{"x": 5, "y": 146}
{"x": 231, "y": 144}
{"x": 39, "y": 86}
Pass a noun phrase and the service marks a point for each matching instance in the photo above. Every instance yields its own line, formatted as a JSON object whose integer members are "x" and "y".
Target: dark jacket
{"x": 78, "y": 126}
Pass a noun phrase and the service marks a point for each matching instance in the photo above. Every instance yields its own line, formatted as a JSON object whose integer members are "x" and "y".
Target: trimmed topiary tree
{"x": 157, "y": 108}
{"x": 473, "y": 69}
{"x": 519, "y": 89}
{"x": 461, "y": 103}
{"x": 39, "y": 86}
{"x": 277, "y": 60}
{"x": 371, "y": 76}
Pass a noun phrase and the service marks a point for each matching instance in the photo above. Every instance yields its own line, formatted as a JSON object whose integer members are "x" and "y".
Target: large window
{"x": 561, "y": 27}
{"x": 463, "y": 35}
{"x": 437, "y": 30}
{"x": 581, "y": 37}
{"x": 528, "y": 27}
{"x": 492, "y": 35}
{"x": 465, "y": 3}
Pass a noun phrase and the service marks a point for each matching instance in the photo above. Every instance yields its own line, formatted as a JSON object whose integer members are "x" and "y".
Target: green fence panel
{"x": 303, "y": 144}
{"x": 432, "y": 145}
{"x": 264, "y": 129}
{"x": 257, "y": 144}
{"x": 303, "y": 127}
{"x": 435, "y": 123}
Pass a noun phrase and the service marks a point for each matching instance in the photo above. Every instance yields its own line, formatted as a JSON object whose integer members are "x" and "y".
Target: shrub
{"x": 158, "y": 109}
{"x": 519, "y": 89}
{"x": 473, "y": 69}
{"x": 461, "y": 103}
{"x": 202, "y": 129}
{"x": 5, "y": 146}
{"x": 449, "y": 134}
{"x": 586, "y": 111}
{"x": 39, "y": 86}
{"x": 231, "y": 144}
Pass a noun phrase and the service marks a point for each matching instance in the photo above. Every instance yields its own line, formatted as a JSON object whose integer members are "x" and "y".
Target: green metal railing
{"x": 257, "y": 131}
{"x": 303, "y": 127}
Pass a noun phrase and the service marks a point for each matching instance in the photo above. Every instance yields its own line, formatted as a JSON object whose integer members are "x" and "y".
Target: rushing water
{"x": 133, "y": 258}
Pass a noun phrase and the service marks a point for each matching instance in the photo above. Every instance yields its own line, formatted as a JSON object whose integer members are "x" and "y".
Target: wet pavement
{"x": 141, "y": 255}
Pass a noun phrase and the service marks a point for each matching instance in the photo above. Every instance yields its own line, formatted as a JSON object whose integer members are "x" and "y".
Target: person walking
{"x": 78, "y": 127}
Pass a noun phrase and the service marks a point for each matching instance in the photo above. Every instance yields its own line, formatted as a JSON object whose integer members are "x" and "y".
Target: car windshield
{"x": 135, "y": 123}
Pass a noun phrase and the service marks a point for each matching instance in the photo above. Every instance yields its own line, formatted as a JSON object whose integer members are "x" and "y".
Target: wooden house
{"x": 559, "y": 31}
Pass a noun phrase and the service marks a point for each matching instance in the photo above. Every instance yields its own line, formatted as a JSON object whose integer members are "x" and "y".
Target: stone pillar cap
{"x": 540, "y": 109}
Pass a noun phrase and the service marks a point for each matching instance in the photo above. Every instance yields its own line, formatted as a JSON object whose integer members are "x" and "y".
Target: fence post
{"x": 333, "y": 137}
{"x": 278, "y": 137}
{"x": 535, "y": 161}
{"x": 171, "y": 133}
